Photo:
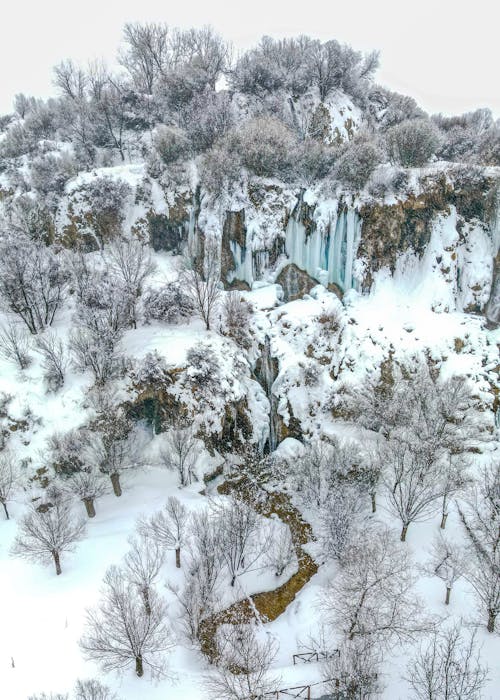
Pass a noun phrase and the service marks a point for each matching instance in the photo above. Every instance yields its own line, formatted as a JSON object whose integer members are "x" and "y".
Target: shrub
{"x": 412, "y": 142}
{"x": 169, "y": 303}
{"x": 220, "y": 169}
{"x": 266, "y": 147}
{"x": 359, "y": 159}
{"x": 171, "y": 143}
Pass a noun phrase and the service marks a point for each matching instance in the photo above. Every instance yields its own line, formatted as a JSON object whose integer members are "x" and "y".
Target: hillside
{"x": 268, "y": 289}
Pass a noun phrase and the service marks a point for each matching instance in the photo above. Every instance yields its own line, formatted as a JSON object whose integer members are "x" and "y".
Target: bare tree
{"x": 353, "y": 672}
{"x": 448, "y": 562}
{"x": 243, "y": 664}
{"x": 281, "y": 551}
{"x": 481, "y": 521}
{"x": 147, "y": 53}
{"x": 454, "y": 478}
{"x": 55, "y": 360}
{"x": 448, "y": 667}
{"x": 52, "y": 696}
{"x": 241, "y": 536}
{"x": 9, "y": 479}
{"x": 92, "y": 689}
{"x": 202, "y": 281}
{"x": 88, "y": 485}
{"x": 15, "y": 344}
{"x": 142, "y": 565}
{"x": 372, "y": 596}
{"x": 197, "y": 598}
{"x": 97, "y": 348}
{"x": 341, "y": 519}
{"x": 412, "y": 483}
{"x": 131, "y": 262}
{"x": 120, "y": 633}
{"x": 116, "y": 448}
{"x": 32, "y": 281}
{"x": 180, "y": 453}
{"x": 70, "y": 80}
{"x": 168, "y": 527}
{"x": 47, "y": 532}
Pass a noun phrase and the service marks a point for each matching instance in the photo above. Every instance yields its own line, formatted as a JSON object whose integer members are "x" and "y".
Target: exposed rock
{"x": 294, "y": 282}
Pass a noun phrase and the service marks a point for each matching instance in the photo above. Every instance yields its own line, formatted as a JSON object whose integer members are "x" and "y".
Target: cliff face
{"x": 299, "y": 238}
{"x": 443, "y": 227}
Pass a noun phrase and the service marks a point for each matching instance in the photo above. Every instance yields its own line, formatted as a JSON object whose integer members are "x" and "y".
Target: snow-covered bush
{"x": 203, "y": 367}
{"x": 314, "y": 160}
{"x": 18, "y": 141}
{"x": 171, "y": 143}
{"x": 168, "y": 303}
{"x": 220, "y": 169}
{"x": 107, "y": 198}
{"x": 235, "y": 322}
{"x": 411, "y": 143}
{"x": 266, "y": 147}
{"x": 50, "y": 173}
{"x": 150, "y": 369}
{"x": 357, "y": 161}
{"x": 391, "y": 108}
{"x": 206, "y": 118}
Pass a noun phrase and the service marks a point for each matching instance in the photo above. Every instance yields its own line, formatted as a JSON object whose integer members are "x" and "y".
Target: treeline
{"x": 182, "y": 94}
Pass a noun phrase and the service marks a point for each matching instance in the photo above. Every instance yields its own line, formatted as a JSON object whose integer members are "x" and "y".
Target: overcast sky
{"x": 442, "y": 52}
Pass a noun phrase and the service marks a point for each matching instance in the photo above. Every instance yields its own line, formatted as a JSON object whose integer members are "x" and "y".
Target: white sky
{"x": 442, "y": 52}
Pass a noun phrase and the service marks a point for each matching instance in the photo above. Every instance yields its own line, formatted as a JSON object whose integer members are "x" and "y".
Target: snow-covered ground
{"x": 42, "y": 615}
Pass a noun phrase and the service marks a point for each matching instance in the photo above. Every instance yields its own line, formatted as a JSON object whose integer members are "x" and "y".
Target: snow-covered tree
{"x": 353, "y": 672}
{"x": 55, "y": 360}
{"x": 32, "y": 281}
{"x": 117, "y": 446}
{"x": 169, "y": 303}
{"x": 9, "y": 479}
{"x": 15, "y": 344}
{"x": 120, "y": 633}
{"x": 92, "y": 689}
{"x": 280, "y": 552}
{"x": 481, "y": 521}
{"x": 180, "y": 453}
{"x": 142, "y": 564}
{"x": 372, "y": 596}
{"x": 88, "y": 485}
{"x": 447, "y": 562}
{"x": 202, "y": 282}
{"x": 168, "y": 527}
{"x": 130, "y": 263}
{"x": 413, "y": 486}
{"x": 447, "y": 667}
{"x": 243, "y": 663}
{"x": 48, "y": 531}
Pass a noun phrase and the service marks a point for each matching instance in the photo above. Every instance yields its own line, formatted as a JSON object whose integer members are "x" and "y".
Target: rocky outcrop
{"x": 294, "y": 282}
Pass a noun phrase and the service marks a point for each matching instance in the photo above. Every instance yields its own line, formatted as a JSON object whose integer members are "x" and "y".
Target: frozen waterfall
{"x": 331, "y": 250}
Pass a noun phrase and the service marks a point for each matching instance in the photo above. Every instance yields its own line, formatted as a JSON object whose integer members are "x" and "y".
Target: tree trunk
{"x": 89, "y": 506}
{"x": 443, "y": 521}
{"x": 448, "y": 594}
{"x": 147, "y": 603}
{"x": 233, "y": 579}
{"x": 57, "y": 562}
{"x": 491, "y": 621}
{"x": 178, "y": 557}
{"x": 5, "y": 509}
{"x": 115, "y": 481}
{"x": 374, "y": 503}
{"x": 139, "y": 670}
{"x": 403, "y": 532}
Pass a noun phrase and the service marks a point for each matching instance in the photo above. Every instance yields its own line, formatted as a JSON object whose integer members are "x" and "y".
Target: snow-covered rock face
{"x": 442, "y": 242}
